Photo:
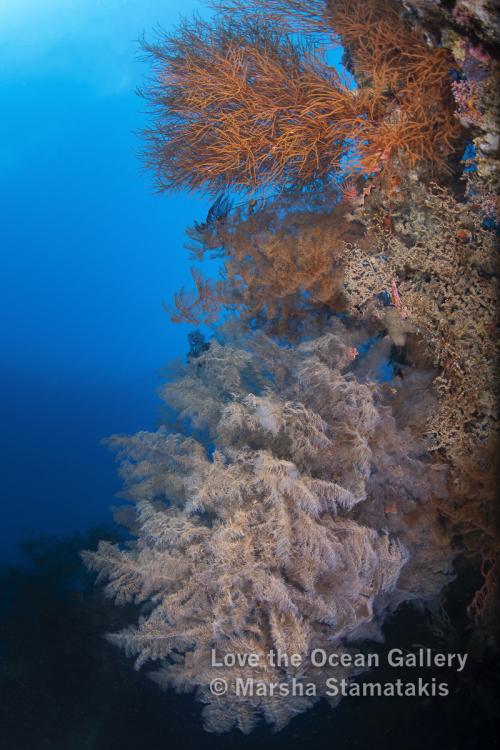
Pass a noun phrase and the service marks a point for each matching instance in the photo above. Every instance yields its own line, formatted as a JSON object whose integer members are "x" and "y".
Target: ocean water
{"x": 89, "y": 255}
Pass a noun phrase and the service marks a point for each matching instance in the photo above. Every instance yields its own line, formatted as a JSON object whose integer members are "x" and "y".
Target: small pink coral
{"x": 396, "y": 300}
{"x": 352, "y": 353}
{"x": 479, "y": 54}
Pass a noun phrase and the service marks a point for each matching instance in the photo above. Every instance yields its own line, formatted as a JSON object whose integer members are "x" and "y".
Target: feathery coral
{"x": 265, "y": 545}
{"x": 236, "y": 103}
{"x": 279, "y": 262}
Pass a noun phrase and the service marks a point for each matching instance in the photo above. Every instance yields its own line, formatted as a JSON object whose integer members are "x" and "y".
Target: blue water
{"x": 88, "y": 255}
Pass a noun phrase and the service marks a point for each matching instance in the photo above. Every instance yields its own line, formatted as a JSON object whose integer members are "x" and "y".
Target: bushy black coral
{"x": 279, "y": 533}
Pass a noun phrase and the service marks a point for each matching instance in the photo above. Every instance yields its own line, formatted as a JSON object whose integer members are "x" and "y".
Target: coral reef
{"x": 446, "y": 264}
{"x": 445, "y": 259}
{"x": 470, "y": 29}
{"x": 332, "y": 448}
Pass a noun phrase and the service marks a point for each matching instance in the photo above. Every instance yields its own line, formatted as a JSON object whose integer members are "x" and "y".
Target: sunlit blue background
{"x": 88, "y": 255}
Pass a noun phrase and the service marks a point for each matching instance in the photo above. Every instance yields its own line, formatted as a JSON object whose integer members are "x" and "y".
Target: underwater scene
{"x": 250, "y": 374}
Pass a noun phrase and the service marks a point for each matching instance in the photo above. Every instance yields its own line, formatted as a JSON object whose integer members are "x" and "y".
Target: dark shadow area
{"x": 65, "y": 688}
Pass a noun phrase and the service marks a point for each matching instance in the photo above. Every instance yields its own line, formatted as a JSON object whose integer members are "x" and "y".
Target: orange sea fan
{"x": 405, "y": 107}
{"x": 243, "y": 106}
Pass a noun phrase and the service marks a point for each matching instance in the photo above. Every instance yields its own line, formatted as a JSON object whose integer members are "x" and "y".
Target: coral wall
{"x": 330, "y": 451}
